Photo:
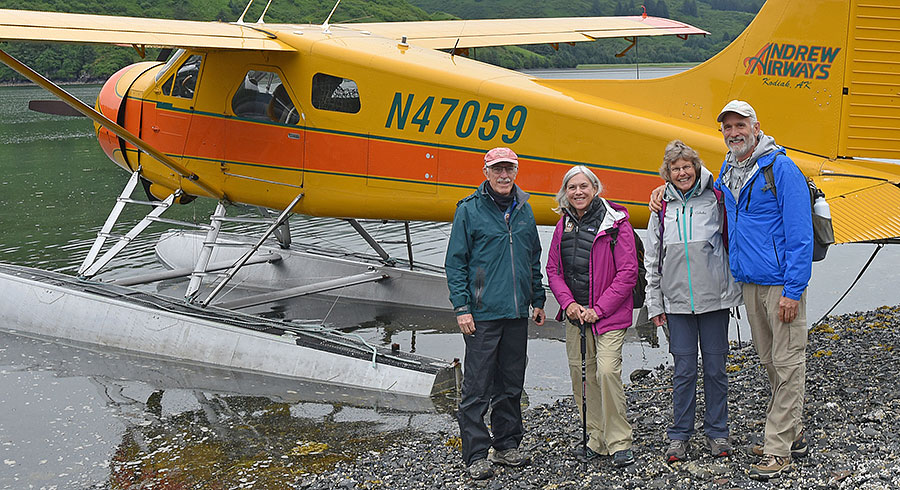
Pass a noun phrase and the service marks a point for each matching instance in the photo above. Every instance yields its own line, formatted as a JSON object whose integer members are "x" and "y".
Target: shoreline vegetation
{"x": 619, "y": 66}
{"x": 588, "y": 66}
{"x": 851, "y": 416}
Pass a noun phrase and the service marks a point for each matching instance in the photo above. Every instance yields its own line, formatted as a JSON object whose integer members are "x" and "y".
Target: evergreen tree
{"x": 689, "y": 7}
{"x": 662, "y": 10}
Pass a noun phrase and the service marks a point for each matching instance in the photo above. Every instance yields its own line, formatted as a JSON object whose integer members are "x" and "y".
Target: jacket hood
{"x": 615, "y": 213}
{"x": 706, "y": 179}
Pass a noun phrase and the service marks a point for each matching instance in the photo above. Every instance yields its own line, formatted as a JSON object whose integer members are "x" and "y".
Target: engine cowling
{"x": 114, "y": 103}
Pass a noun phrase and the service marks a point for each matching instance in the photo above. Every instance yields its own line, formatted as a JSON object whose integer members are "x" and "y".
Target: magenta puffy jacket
{"x": 612, "y": 279}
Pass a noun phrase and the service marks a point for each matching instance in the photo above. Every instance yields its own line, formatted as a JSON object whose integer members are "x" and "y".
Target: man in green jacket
{"x": 493, "y": 270}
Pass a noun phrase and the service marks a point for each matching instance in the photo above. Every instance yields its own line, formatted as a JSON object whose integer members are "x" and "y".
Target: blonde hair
{"x": 562, "y": 202}
{"x": 676, "y": 150}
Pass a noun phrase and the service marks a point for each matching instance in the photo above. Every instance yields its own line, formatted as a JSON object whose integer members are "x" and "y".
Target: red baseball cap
{"x": 498, "y": 155}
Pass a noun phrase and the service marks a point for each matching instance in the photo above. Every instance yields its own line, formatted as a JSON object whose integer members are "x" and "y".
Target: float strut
{"x": 90, "y": 267}
{"x": 205, "y": 253}
{"x": 282, "y": 218}
{"x": 372, "y": 243}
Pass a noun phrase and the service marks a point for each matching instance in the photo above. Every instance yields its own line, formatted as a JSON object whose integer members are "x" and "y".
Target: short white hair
{"x": 562, "y": 201}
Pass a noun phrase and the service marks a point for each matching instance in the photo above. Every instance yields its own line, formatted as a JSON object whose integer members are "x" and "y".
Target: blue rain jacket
{"x": 770, "y": 240}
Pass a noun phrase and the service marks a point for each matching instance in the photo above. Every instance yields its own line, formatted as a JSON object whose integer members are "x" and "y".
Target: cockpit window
{"x": 331, "y": 93}
{"x": 185, "y": 79}
{"x": 263, "y": 97}
{"x": 171, "y": 61}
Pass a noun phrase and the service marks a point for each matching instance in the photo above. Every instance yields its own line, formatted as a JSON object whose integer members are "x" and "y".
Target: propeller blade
{"x": 53, "y": 107}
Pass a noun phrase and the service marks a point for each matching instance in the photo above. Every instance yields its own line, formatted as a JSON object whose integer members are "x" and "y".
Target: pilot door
{"x": 264, "y": 140}
{"x": 166, "y": 124}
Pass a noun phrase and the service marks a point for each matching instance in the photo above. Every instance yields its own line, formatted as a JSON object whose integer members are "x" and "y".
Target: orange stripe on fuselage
{"x": 245, "y": 142}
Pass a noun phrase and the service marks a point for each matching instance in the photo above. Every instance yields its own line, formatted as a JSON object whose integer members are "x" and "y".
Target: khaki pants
{"x": 782, "y": 351}
{"x": 608, "y": 429}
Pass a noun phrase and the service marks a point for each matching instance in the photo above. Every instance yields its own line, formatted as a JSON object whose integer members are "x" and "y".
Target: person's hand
{"x": 573, "y": 311}
{"x": 538, "y": 316}
{"x": 589, "y": 316}
{"x": 466, "y": 323}
{"x": 787, "y": 309}
{"x": 656, "y": 196}
{"x": 659, "y": 320}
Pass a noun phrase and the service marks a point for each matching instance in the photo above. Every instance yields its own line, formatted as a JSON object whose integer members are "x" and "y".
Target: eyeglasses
{"x": 499, "y": 170}
{"x": 677, "y": 170}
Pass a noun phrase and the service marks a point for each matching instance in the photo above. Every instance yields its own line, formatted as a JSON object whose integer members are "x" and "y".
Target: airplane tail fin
{"x": 823, "y": 76}
{"x": 833, "y": 63}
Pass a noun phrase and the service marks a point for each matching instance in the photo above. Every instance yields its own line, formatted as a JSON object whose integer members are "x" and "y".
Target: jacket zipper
{"x": 775, "y": 251}
{"x": 691, "y": 223}
{"x": 687, "y": 256}
{"x": 512, "y": 261}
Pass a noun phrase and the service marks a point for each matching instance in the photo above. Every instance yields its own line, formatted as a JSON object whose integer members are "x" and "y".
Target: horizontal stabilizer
{"x": 869, "y": 213}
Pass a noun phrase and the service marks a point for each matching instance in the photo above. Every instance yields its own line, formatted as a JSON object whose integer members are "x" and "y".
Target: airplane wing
{"x": 505, "y": 32}
{"x": 26, "y": 25}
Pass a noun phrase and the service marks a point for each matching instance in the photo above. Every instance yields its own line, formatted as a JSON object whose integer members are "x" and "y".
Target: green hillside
{"x": 86, "y": 63}
{"x": 725, "y": 19}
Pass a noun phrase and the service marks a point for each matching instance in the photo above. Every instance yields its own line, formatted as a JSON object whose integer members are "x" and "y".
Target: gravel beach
{"x": 852, "y": 416}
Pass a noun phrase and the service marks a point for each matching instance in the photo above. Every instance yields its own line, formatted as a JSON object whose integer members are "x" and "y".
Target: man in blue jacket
{"x": 493, "y": 270}
{"x": 770, "y": 252}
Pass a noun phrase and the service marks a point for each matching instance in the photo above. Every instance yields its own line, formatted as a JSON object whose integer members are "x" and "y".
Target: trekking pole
{"x": 584, "y": 452}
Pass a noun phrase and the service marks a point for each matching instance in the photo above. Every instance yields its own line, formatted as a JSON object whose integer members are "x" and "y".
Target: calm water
{"x": 75, "y": 417}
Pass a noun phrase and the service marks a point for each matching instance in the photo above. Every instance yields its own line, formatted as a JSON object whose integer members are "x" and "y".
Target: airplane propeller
{"x": 53, "y": 107}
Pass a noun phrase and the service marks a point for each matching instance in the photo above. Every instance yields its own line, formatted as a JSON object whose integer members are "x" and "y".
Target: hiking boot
{"x": 480, "y": 470}
{"x": 719, "y": 447}
{"x": 770, "y": 466}
{"x": 799, "y": 449}
{"x": 622, "y": 458}
{"x": 584, "y": 454}
{"x": 509, "y": 457}
{"x": 677, "y": 451}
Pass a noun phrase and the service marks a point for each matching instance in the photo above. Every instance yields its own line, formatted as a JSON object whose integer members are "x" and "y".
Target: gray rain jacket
{"x": 695, "y": 275}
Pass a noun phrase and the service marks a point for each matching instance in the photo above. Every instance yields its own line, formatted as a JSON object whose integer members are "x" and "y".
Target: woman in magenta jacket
{"x": 592, "y": 269}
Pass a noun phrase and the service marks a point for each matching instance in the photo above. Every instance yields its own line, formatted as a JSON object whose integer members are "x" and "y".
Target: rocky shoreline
{"x": 852, "y": 416}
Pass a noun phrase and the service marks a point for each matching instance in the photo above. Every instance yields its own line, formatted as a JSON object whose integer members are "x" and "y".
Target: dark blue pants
{"x": 711, "y": 329}
{"x": 494, "y": 376}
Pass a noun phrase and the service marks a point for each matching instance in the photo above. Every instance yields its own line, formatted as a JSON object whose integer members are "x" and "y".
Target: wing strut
{"x": 104, "y": 121}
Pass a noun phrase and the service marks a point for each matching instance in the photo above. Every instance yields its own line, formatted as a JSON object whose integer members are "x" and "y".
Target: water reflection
{"x": 85, "y": 415}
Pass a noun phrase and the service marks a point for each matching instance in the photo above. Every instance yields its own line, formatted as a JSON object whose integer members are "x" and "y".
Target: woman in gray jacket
{"x": 690, "y": 287}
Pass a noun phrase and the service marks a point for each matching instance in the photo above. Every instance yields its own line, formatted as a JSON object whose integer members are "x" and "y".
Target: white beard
{"x": 740, "y": 149}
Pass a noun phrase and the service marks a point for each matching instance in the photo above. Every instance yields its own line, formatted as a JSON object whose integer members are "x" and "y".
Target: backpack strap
{"x": 769, "y": 174}
{"x": 613, "y": 238}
